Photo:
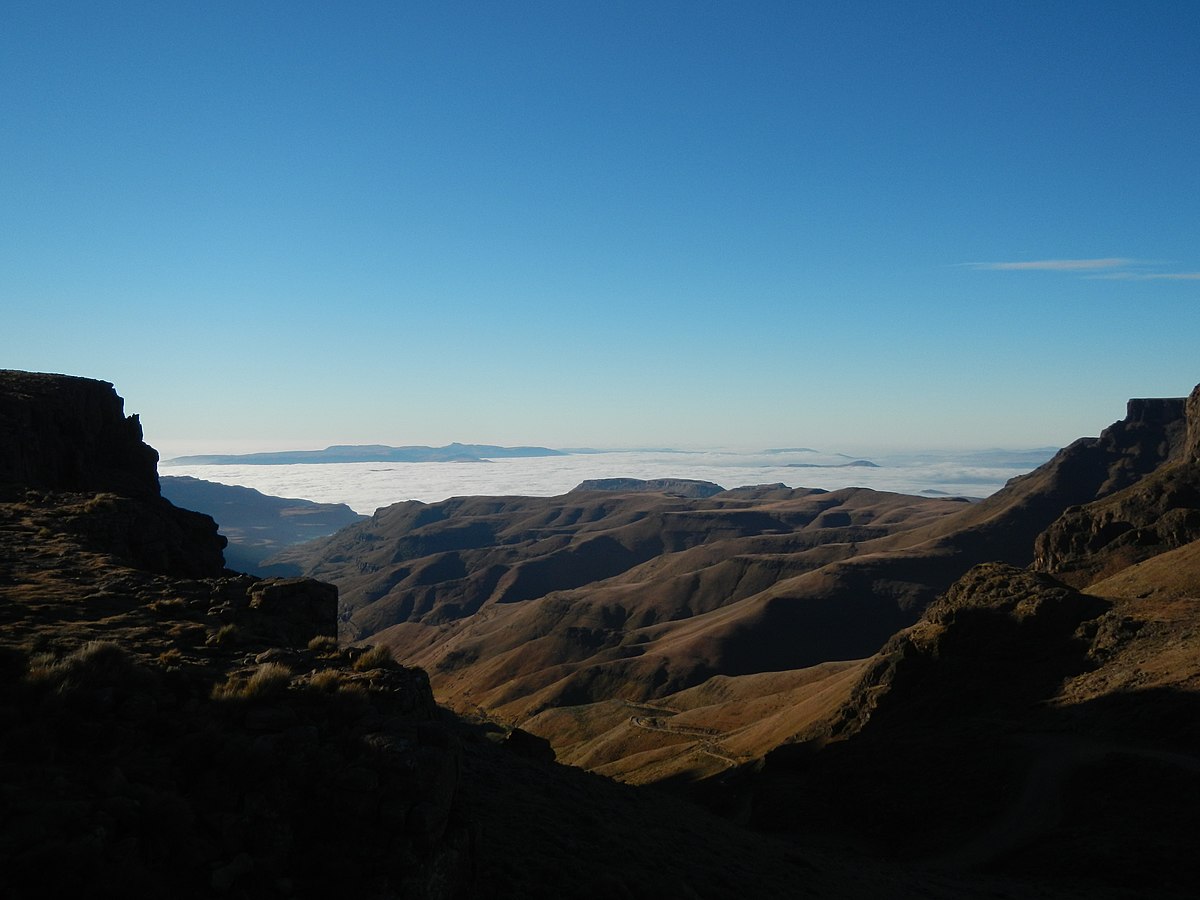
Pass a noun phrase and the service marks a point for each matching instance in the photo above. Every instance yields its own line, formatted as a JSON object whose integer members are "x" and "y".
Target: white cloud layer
{"x": 367, "y": 486}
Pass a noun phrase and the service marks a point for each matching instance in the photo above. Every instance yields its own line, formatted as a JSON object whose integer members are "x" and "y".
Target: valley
{"x": 764, "y": 691}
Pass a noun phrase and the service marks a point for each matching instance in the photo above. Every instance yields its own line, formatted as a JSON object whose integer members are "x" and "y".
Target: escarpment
{"x": 1159, "y": 512}
{"x": 67, "y": 446}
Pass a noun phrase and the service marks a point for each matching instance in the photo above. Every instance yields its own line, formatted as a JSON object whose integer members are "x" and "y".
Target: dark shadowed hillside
{"x": 257, "y": 525}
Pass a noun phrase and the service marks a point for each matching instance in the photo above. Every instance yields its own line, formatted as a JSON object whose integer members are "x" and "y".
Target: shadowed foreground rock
{"x": 169, "y": 728}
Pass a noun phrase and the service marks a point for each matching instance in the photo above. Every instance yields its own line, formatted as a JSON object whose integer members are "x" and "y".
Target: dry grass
{"x": 95, "y": 664}
{"x": 171, "y": 657}
{"x": 326, "y": 681}
{"x": 225, "y": 636}
{"x": 267, "y": 681}
{"x": 378, "y": 657}
{"x": 323, "y": 643}
{"x": 168, "y": 607}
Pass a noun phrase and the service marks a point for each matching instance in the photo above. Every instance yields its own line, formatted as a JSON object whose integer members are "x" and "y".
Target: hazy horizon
{"x": 369, "y": 485}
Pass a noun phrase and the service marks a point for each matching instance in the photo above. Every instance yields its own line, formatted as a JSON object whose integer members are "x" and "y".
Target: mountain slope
{"x": 257, "y": 525}
{"x": 555, "y": 612}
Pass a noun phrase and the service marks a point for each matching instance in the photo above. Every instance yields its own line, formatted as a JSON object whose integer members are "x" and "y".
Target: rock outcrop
{"x": 1067, "y": 717}
{"x": 64, "y": 433}
{"x": 66, "y": 444}
{"x": 1153, "y": 514}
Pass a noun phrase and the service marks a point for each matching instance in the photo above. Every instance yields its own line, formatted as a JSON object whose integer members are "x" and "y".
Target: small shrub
{"x": 267, "y": 681}
{"x": 378, "y": 657}
{"x": 187, "y": 631}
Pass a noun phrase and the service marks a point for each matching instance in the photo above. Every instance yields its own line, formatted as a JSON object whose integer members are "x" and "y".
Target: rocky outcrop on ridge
{"x": 64, "y": 433}
{"x": 65, "y": 442}
{"x": 1154, "y": 514}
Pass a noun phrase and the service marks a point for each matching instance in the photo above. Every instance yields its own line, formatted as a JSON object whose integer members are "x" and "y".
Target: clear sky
{"x": 838, "y": 225}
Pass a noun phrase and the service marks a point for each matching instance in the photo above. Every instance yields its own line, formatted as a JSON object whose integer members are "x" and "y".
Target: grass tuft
{"x": 378, "y": 657}
{"x": 267, "y": 681}
{"x": 323, "y": 643}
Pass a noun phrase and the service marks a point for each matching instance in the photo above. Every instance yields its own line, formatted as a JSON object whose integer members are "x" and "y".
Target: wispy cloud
{"x": 1150, "y": 276}
{"x": 1108, "y": 268}
{"x": 1057, "y": 265}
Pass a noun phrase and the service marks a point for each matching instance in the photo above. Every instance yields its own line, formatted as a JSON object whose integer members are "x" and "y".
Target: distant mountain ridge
{"x": 355, "y": 453}
{"x": 856, "y": 464}
{"x": 256, "y": 524}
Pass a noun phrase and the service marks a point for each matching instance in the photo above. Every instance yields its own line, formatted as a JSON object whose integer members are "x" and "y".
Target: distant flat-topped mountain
{"x": 355, "y": 453}
{"x": 856, "y": 464}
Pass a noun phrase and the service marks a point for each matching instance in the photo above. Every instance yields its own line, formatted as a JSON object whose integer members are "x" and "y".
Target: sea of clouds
{"x": 365, "y": 487}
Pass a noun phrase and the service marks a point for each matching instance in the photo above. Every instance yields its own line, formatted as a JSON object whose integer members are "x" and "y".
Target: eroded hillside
{"x": 637, "y": 630}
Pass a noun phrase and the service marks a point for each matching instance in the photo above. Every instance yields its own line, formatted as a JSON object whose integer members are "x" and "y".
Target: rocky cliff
{"x": 1150, "y": 515}
{"x": 67, "y": 446}
{"x": 64, "y": 433}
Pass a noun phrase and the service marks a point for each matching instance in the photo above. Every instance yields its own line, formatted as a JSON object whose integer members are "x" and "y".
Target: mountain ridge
{"x": 610, "y": 599}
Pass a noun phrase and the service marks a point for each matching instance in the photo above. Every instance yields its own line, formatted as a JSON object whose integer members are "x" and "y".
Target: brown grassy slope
{"x": 1068, "y": 720}
{"x": 700, "y": 732}
{"x": 521, "y": 606}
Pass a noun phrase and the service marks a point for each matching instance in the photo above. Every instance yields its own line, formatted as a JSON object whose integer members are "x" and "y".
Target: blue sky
{"x": 843, "y": 225}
